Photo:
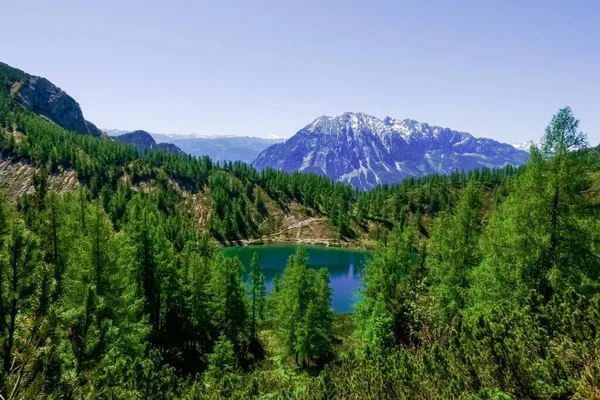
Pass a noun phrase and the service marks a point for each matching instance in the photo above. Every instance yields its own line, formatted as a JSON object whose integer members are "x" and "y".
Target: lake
{"x": 344, "y": 267}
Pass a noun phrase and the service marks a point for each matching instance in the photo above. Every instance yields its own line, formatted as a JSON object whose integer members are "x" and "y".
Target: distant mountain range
{"x": 355, "y": 148}
{"x": 365, "y": 151}
{"x": 218, "y": 148}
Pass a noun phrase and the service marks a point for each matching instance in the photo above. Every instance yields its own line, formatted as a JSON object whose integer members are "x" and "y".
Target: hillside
{"x": 233, "y": 203}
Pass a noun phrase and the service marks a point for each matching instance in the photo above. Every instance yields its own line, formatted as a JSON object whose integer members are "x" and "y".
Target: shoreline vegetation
{"x": 302, "y": 241}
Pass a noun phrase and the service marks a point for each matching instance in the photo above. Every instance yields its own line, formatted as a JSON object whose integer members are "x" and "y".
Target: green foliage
{"x": 453, "y": 252}
{"x": 222, "y": 360}
{"x": 303, "y": 314}
{"x": 484, "y": 285}
{"x": 562, "y": 133}
{"x": 228, "y": 298}
{"x": 258, "y": 293}
{"x": 389, "y": 267}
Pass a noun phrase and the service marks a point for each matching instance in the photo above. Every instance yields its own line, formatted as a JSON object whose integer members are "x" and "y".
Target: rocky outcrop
{"x": 93, "y": 129}
{"x": 42, "y": 97}
{"x": 170, "y": 147}
{"x": 16, "y": 178}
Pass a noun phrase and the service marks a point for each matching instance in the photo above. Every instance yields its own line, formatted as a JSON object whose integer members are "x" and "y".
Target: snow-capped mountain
{"x": 365, "y": 151}
{"x": 526, "y": 146}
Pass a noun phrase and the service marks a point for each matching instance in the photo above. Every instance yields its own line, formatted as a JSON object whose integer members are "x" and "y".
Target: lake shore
{"x": 344, "y": 266}
{"x": 353, "y": 245}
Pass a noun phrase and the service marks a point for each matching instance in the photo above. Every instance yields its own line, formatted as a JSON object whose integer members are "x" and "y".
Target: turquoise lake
{"x": 344, "y": 265}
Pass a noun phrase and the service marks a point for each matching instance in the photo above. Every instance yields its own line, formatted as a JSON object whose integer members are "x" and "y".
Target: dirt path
{"x": 300, "y": 224}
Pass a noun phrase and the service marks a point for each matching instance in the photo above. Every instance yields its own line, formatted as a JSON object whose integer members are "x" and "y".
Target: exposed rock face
{"x": 365, "y": 151}
{"x": 170, "y": 147}
{"x": 42, "y": 97}
{"x": 144, "y": 141}
{"x": 93, "y": 129}
{"x": 16, "y": 178}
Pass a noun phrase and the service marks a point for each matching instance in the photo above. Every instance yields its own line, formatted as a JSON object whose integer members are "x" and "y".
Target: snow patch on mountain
{"x": 525, "y": 146}
{"x": 365, "y": 151}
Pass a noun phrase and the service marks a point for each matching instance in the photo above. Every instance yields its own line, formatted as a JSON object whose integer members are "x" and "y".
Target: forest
{"x": 482, "y": 285}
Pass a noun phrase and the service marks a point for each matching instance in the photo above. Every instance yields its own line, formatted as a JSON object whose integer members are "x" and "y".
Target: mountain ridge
{"x": 365, "y": 151}
{"x": 218, "y": 147}
{"x": 40, "y": 96}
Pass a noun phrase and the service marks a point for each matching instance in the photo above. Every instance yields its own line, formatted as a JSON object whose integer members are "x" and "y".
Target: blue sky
{"x": 496, "y": 69}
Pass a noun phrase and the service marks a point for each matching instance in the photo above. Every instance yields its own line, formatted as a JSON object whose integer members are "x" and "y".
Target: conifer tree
{"x": 316, "y": 335}
{"x": 539, "y": 238}
{"x": 257, "y": 293}
{"x": 196, "y": 278}
{"x": 152, "y": 259}
{"x": 20, "y": 268}
{"x": 293, "y": 296}
{"x": 228, "y": 298}
{"x": 54, "y": 238}
{"x": 391, "y": 263}
{"x": 453, "y": 251}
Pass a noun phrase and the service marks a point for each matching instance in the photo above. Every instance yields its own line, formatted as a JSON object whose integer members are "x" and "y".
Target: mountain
{"x": 42, "y": 97}
{"x": 170, "y": 147}
{"x": 526, "y": 146}
{"x": 144, "y": 141}
{"x": 365, "y": 151}
{"x": 218, "y": 148}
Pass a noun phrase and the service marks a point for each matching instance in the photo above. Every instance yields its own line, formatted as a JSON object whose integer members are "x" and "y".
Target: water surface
{"x": 344, "y": 267}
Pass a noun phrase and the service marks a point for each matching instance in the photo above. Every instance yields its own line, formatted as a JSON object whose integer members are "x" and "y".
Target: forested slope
{"x": 482, "y": 285}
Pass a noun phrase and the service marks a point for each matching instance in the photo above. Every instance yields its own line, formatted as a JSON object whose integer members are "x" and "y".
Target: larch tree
{"x": 20, "y": 270}
{"x": 540, "y": 238}
{"x": 228, "y": 298}
{"x": 257, "y": 293}
{"x": 453, "y": 251}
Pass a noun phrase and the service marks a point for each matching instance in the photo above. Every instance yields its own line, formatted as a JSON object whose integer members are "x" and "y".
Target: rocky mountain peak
{"x": 364, "y": 151}
{"x": 42, "y": 97}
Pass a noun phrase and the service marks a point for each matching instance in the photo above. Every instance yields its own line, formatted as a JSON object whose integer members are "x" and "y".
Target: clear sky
{"x": 496, "y": 69}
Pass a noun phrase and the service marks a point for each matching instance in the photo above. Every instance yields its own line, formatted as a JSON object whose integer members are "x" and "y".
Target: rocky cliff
{"x": 42, "y": 97}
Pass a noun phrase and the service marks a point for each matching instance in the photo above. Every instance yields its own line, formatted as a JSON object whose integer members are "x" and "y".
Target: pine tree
{"x": 453, "y": 251}
{"x": 257, "y": 293}
{"x": 292, "y": 298}
{"x": 53, "y": 238}
{"x": 152, "y": 259}
{"x": 390, "y": 264}
{"x": 196, "y": 278}
{"x": 228, "y": 298}
{"x": 222, "y": 360}
{"x": 315, "y": 336}
{"x": 540, "y": 238}
{"x": 19, "y": 271}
